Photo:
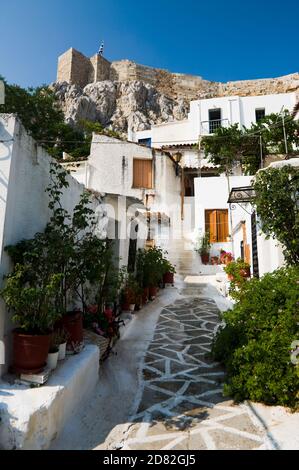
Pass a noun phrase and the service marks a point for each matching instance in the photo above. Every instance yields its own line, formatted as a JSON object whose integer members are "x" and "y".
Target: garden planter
{"x": 72, "y": 322}
{"x": 132, "y": 307}
{"x": 61, "y": 351}
{"x": 30, "y": 352}
{"x": 102, "y": 342}
{"x": 52, "y": 360}
{"x": 214, "y": 260}
{"x": 168, "y": 278}
{"x": 145, "y": 295}
{"x": 153, "y": 292}
{"x": 205, "y": 258}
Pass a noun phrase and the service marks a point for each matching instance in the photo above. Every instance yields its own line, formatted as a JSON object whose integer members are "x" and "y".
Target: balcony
{"x": 209, "y": 127}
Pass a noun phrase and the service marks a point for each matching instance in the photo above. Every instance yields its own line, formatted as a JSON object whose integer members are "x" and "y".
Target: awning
{"x": 241, "y": 194}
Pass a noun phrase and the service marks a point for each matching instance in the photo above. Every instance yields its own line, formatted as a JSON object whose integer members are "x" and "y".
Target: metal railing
{"x": 209, "y": 127}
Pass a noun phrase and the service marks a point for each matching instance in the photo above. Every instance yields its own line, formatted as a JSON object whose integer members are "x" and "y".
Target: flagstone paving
{"x": 182, "y": 404}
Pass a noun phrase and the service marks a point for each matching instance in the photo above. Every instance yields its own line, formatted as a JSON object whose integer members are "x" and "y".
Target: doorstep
{"x": 32, "y": 417}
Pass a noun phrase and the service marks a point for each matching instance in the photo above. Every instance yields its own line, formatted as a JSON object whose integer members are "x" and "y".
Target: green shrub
{"x": 255, "y": 343}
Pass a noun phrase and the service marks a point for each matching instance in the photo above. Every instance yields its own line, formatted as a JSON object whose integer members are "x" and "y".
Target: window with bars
{"x": 214, "y": 119}
{"x": 216, "y": 223}
{"x": 142, "y": 173}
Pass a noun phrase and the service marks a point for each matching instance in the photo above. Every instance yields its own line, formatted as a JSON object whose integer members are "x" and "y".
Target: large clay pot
{"x": 168, "y": 278}
{"x": 72, "y": 322}
{"x": 30, "y": 352}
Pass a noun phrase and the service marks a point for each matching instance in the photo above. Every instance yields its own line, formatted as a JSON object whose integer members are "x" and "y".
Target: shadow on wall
{"x": 5, "y": 142}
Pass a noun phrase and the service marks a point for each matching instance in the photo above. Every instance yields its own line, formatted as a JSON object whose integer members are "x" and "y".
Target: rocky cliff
{"x": 119, "y": 104}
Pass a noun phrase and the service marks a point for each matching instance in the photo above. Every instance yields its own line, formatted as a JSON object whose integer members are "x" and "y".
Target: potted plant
{"x": 131, "y": 292}
{"x": 227, "y": 257}
{"x": 169, "y": 270}
{"x": 53, "y": 353}
{"x": 237, "y": 271}
{"x": 34, "y": 313}
{"x": 204, "y": 248}
{"x": 215, "y": 260}
{"x": 153, "y": 269}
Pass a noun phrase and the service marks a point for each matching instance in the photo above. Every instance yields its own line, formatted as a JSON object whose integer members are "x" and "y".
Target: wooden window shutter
{"x": 142, "y": 173}
{"x": 211, "y": 224}
{"x": 222, "y": 225}
{"x": 216, "y": 222}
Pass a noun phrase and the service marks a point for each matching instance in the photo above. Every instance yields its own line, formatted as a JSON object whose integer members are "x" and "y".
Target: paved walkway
{"x": 163, "y": 390}
{"x": 182, "y": 404}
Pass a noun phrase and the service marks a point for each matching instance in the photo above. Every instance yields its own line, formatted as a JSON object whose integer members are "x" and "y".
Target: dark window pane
{"x": 214, "y": 119}
{"x": 259, "y": 114}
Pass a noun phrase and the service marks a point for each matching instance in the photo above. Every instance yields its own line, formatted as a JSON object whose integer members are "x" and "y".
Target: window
{"x": 216, "y": 223}
{"x": 259, "y": 114}
{"x": 214, "y": 119}
{"x": 147, "y": 142}
{"x": 142, "y": 173}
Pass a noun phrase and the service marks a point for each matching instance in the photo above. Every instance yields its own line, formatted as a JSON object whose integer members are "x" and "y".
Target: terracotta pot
{"x": 153, "y": 292}
{"x": 72, "y": 322}
{"x": 145, "y": 295}
{"x": 30, "y": 352}
{"x": 205, "y": 258}
{"x": 168, "y": 278}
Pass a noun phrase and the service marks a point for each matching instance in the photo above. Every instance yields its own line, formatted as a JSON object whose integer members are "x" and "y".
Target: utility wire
{"x": 253, "y": 134}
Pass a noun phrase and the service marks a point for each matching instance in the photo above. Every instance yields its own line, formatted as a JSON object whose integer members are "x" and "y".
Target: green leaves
{"x": 256, "y": 340}
{"x": 229, "y": 145}
{"x": 277, "y": 205}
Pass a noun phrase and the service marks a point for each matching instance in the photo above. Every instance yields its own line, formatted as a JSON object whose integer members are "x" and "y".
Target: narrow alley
{"x": 161, "y": 389}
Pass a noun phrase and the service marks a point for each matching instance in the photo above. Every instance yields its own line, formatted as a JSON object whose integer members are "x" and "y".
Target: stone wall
{"x": 75, "y": 68}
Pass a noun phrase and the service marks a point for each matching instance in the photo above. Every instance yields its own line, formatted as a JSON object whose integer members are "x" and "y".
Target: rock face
{"x": 118, "y": 105}
{"x": 159, "y": 97}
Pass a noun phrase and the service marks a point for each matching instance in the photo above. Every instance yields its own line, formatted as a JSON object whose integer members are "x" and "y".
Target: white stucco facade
{"x": 213, "y": 193}
{"x": 24, "y": 176}
{"x": 233, "y": 110}
{"x": 109, "y": 170}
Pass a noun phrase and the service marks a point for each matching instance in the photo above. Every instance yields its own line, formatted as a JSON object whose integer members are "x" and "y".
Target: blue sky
{"x": 218, "y": 40}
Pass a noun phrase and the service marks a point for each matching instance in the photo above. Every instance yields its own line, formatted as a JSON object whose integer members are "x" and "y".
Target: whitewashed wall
{"x": 213, "y": 193}
{"x": 24, "y": 175}
{"x": 109, "y": 169}
{"x": 234, "y": 109}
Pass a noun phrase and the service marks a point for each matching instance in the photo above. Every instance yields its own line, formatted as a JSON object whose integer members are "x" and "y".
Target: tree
{"x": 277, "y": 204}
{"x": 41, "y": 116}
{"x": 230, "y": 145}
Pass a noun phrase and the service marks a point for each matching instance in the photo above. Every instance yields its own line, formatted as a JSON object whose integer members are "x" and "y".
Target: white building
{"x": 206, "y": 115}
